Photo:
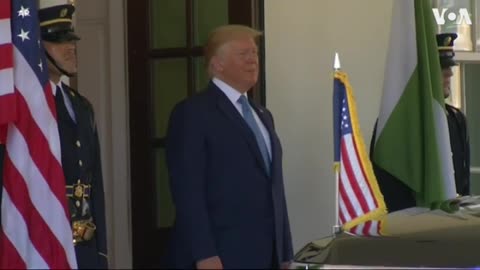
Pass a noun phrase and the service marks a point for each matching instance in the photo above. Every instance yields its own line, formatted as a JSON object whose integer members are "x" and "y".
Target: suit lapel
{"x": 227, "y": 108}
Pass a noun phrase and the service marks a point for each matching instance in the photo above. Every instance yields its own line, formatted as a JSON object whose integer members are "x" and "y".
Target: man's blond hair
{"x": 223, "y": 34}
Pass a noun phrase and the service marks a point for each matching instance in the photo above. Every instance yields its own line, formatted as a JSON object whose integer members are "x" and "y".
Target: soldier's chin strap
{"x": 64, "y": 72}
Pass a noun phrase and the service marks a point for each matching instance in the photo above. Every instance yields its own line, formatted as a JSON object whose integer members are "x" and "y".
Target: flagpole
{"x": 337, "y": 228}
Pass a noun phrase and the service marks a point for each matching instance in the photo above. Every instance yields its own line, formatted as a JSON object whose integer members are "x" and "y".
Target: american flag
{"x": 374, "y": 227}
{"x": 35, "y": 231}
{"x": 360, "y": 201}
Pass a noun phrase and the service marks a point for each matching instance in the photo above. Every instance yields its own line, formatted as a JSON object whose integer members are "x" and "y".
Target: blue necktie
{"x": 248, "y": 116}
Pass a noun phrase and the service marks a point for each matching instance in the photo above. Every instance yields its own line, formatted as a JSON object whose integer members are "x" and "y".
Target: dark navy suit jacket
{"x": 226, "y": 204}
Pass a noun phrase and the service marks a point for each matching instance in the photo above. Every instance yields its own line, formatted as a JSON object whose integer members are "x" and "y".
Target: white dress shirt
{"x": 66, "y": 99}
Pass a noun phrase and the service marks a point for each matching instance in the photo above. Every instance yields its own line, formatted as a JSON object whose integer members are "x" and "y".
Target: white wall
{"x": 102, "y": 78}
{"x": 301, "y": 39}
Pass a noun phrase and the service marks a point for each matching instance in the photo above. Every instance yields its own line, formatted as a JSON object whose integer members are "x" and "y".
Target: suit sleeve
{"x": 467, "y": 156}
{"x": 98, "y": 200}
{"x": 186, "y": 159}
{"x": 287, "y": 235}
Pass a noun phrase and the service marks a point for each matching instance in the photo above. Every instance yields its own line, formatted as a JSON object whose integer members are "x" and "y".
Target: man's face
{"x": 238, "y": 63}
{"x": 447, "y": 75}
{"x": 65, "y": 56}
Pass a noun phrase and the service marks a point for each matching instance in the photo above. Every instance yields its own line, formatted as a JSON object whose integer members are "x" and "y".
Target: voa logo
{"x": 458, "y": 18}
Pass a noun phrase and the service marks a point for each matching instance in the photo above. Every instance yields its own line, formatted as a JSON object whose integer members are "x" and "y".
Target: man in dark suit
{"x": 398, "y": 195}
{"x": 79, "y": 143}
{"x": 225, "y": 164}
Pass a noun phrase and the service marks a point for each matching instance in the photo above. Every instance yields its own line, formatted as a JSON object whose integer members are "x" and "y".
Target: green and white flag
{"x": 412, "y": 141}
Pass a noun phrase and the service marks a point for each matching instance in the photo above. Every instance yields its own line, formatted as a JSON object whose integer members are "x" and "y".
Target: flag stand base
{"x": 336, "y": 230}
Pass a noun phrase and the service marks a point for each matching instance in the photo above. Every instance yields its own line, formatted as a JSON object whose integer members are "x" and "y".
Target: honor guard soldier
{"x": 78, "y": 137}
{"x": 457, "y": 122}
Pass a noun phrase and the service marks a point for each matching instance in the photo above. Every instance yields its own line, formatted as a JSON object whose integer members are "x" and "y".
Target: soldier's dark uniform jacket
{"x": 83, "y": 175}
{"x": 460, "y": 143}
{"x": 457, "y": 123}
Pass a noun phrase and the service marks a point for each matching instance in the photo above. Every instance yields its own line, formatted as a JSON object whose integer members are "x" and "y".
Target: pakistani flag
{"x": 412, "y": 139}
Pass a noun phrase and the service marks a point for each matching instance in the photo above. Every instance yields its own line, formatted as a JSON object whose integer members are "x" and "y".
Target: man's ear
{"x": 217, "y": 63}
{"x": 47, "y": 46}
